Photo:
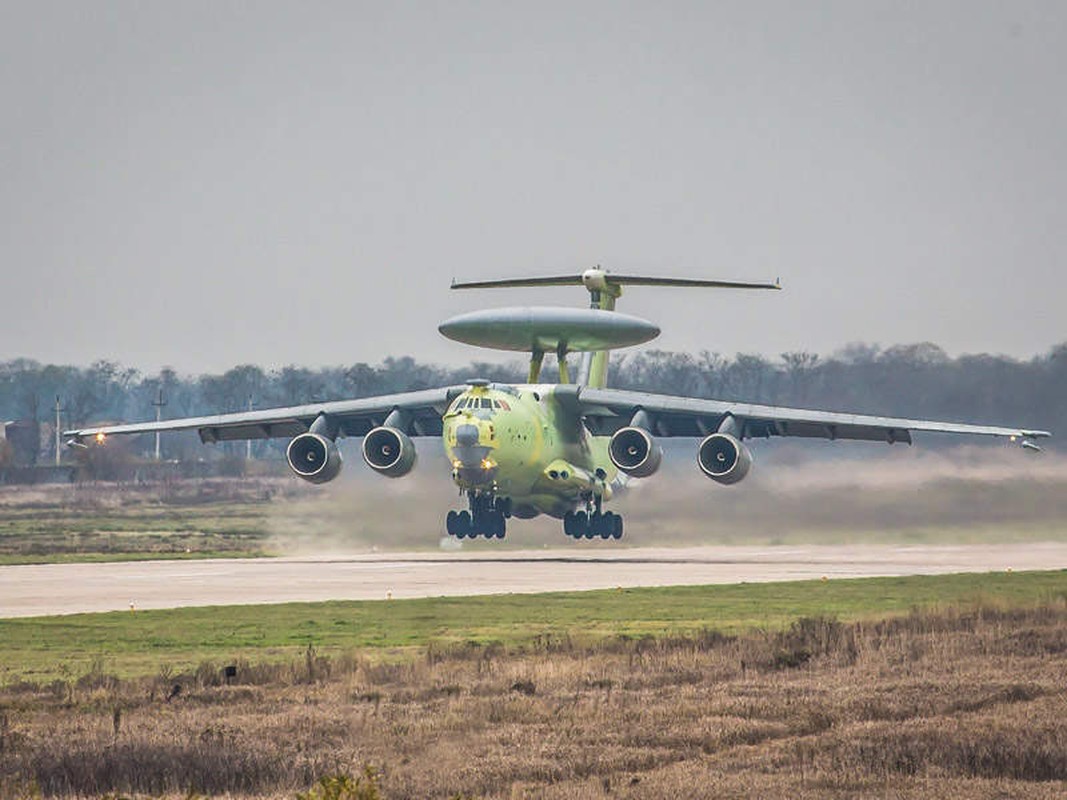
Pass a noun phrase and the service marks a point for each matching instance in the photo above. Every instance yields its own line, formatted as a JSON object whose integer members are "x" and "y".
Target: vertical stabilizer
{"x": 597, "y": 376}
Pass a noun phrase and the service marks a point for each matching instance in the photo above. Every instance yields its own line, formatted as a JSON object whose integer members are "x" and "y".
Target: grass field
{"x": 138, "y": 643}
{"x": 944, "y": 686}
{"x": 113, "y": 522}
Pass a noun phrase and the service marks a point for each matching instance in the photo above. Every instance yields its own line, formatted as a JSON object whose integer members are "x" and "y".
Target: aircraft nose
{"x": 467, "y": 435}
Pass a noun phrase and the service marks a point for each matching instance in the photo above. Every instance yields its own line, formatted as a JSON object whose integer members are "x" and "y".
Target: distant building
{"x": 23, "y": 436}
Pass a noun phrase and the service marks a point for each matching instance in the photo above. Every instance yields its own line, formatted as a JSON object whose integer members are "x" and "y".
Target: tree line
{"x": 918, "y": 380}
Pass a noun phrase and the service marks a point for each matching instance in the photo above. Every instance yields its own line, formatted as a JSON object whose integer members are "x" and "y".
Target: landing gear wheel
{"x": 463, "y": 525}
{"x": 581, "y": 524}
{"x": 590, "y": 525}
{"x": 571, "y": 527}
{"x": 605, "y": 525}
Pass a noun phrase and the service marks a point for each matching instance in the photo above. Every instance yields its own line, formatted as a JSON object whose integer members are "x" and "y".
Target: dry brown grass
{"x": 936, "y": 704}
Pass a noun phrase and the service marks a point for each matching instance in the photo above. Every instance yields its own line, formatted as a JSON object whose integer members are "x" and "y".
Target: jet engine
{"x": 724, "y": 459}
{"x": 635, "y": 452}
{"x": 314, "y": 458}
{"x": 389, "y": 452}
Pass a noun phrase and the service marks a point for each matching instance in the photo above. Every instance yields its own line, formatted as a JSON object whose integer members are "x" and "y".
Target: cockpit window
{"x": 487, "y": 403}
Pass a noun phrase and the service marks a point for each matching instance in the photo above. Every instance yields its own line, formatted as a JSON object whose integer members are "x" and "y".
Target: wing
{"x": 420, "y": 413}
{"x": 606, "y": 410}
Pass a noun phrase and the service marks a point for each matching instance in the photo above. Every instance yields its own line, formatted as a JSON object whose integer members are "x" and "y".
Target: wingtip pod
{"x": 1025, "y": 440}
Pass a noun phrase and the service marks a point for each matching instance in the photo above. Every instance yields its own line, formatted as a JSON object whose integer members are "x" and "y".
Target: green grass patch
{"x": 143, "y": 642}
{"x": 60, "y": 536}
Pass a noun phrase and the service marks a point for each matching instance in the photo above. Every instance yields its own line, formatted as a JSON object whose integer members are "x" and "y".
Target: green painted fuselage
{"x": 523, "y": 443}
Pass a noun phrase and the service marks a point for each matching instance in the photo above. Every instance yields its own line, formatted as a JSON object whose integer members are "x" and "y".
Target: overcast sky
{"x": 206, "y": 184}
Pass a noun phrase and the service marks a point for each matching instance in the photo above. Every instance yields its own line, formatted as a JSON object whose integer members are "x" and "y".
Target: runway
{"x": 77, "y": 588}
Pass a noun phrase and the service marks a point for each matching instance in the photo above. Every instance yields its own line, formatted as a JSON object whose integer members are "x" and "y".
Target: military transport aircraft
{"x": 560, "y": 449}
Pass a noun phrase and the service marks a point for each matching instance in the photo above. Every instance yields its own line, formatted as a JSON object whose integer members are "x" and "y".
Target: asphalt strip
{"x": 35, "y": 590}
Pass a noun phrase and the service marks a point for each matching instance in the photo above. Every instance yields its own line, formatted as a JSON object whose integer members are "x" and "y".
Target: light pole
{"x": 158, "y": 403}
{"x": 59, "y": 410}
{"x": 248, "y": 443}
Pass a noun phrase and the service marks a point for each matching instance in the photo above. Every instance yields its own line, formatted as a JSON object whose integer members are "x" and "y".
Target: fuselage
{"x": 522, "y": 443}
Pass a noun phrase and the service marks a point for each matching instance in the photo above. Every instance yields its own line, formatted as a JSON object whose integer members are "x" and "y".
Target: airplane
{"x": 562, "y": 449}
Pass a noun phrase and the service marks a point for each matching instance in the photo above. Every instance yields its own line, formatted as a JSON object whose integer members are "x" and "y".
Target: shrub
{"x": 344, "y": 787}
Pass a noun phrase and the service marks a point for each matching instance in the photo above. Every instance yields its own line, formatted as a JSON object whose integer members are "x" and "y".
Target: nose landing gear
{"x": 487, "y": 517}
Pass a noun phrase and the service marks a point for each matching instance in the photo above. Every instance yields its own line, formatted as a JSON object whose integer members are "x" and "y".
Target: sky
{"x": 204, "y": 184}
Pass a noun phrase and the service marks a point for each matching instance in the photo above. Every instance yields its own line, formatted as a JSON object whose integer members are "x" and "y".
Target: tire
{"x": 616, "y": 529}
{"x": 501, "y": 525}
{"x": 463, "y": 525}
{"x": 605, "y": 525}
{"x": 450, "y": 523}
{"x": 568, "y": 524}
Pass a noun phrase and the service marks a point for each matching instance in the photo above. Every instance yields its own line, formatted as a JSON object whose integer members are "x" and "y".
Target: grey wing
{"x": 420, "y": 413}
{"x": 607, "y": 410}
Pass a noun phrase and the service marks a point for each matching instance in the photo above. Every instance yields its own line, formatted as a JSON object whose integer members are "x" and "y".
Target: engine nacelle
{"x": 314, "y": 458}
{"x": 389, "y": 452}
{"x": 724, "y": 459}
{"x": 635, "y": 452}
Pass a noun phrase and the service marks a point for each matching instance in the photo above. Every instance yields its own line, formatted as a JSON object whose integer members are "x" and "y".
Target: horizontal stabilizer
{"x": 565, "y": 280}
{"x": 598, "y": 279}
{"x": 642, "y": 280}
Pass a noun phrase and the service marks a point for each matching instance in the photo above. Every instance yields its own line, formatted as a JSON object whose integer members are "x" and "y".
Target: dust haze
{"x": 796, "y": 493}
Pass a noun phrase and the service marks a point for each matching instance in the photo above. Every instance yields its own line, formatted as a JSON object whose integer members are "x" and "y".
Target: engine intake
{"x": 724, "y": 459}
{"x": 314, "y": 458}
{"x": 389, "y": 452}
{"x": 635, "y": 452}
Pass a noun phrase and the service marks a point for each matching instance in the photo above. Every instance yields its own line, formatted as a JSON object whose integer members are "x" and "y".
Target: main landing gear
{"x": 487, "y": 517}
{"x": 592, "y": 523}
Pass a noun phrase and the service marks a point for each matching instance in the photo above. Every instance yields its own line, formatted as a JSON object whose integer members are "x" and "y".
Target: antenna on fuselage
{"x": 604, "y": 289}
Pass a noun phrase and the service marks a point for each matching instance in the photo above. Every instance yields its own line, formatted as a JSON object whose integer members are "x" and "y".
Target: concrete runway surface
{"x": 74, "y": 588}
